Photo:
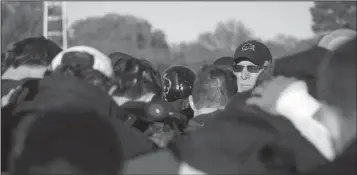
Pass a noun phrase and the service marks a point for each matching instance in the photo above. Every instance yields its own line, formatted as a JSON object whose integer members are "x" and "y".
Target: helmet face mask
{"x": 166, "y": 85}
{"x": 177, "y": 83}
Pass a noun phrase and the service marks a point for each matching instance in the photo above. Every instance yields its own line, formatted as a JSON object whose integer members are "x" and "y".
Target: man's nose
{"x": 245, "y": 74}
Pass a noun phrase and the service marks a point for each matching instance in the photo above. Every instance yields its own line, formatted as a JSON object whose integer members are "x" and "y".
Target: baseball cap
{"x": 253, "y": 51}
{"x": 102, "y": 63}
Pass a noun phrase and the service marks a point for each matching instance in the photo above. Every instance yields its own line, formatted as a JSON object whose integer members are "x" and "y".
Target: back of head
{"x": 85, "y": 63}
{"x": 224, "y": 61}
{"x": 65, "y": 143}
{"x": 336, "y": 81}
{"x": 177, "y": 83}
{"x": 33, "y": 51}
{"x": 116, "y": 56}
{"x": 135, "y": 78}
{"x": 29, "y": 57}
{"x": 214, "y": 87}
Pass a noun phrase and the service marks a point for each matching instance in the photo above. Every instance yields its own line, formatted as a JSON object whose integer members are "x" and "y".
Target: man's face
{"x": 247, "y": 74}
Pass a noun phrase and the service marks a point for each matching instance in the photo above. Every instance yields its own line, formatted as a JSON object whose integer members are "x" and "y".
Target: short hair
{"x": 336, "y": 80}
{"x": 80, "y": 65}
{"x": 136, "y": 77}
{"x": 33, "y": 51}
{"x": 224, "y": 61}
{"x": 85, "y": 140}
{"x": 214, "y": 86}
{"x": 116, "y": 56}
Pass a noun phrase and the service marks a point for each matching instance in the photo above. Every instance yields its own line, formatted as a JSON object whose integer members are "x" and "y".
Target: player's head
{"x": 213, "y": 88}
{"x": 30, "y": 56}
{"x": 135, "y": 78}
{"x": 85, "y": 63}
{"x": 250, "y": 59}
{"x": 177, "y": 83}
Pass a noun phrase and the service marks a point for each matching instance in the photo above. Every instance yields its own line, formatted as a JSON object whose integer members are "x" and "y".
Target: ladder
{"x": 55, "y": 22}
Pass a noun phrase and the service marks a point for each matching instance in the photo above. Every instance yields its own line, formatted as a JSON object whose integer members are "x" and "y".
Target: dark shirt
{"x": 246, "y": 140}
{"x": 200, "y": 120}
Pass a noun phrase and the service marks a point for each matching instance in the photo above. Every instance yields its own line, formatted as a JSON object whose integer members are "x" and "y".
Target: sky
{"x": 183, "y": 21}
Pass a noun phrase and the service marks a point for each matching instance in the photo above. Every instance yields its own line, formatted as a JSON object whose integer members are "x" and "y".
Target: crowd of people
{"x": 79, "y": 111}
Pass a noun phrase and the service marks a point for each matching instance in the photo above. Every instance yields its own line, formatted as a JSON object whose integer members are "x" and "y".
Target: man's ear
{"x": 266, "y": 74}
{"x": 269, "y": 64}
{"x": 190, "y": 100}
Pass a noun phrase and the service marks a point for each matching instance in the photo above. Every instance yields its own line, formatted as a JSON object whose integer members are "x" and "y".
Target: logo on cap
{"x": 248, "y": 46}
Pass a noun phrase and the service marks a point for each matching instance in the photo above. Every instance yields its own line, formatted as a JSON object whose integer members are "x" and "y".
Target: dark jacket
{"x": 199, "y": 121}
{"x": 70, "y": 94}
{"x": 344, "y": 164}
{"x": 245, "y": 140}
{"x": 240, "y": 140}
{"x": 302, "y": 65}
{"x": 8, "y": 121}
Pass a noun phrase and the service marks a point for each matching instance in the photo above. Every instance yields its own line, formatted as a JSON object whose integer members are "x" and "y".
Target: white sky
{"x": 184, "y": 21}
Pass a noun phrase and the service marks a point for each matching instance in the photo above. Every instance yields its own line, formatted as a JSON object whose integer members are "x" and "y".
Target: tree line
{"x": 135, "y": 36}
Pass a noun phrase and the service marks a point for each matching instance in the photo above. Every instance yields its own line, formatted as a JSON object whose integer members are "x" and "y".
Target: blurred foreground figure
{"x": 250, "y": 59}
{"x": 26, "y": 59}
{"x": 330, "y": 125}
{"x": 212, "y": 90}
{"x": 336, "y": 90}
{"x": 97, "y": 70}
{"x": 81, "y": 81}
{"x": 66, "y": 142}
{"x": 303, "y": 65}
{"x": 242, "y": 139}
{"x": 23, "y": 65}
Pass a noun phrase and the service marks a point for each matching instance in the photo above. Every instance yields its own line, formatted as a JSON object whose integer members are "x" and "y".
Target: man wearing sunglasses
{"x": 250, "y": 59}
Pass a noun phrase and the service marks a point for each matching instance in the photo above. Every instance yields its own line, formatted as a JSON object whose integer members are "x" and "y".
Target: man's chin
{"x": 243, "y": 88}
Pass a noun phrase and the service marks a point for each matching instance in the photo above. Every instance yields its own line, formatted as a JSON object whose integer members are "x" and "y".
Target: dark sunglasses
{"x": 250, "y": 68}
